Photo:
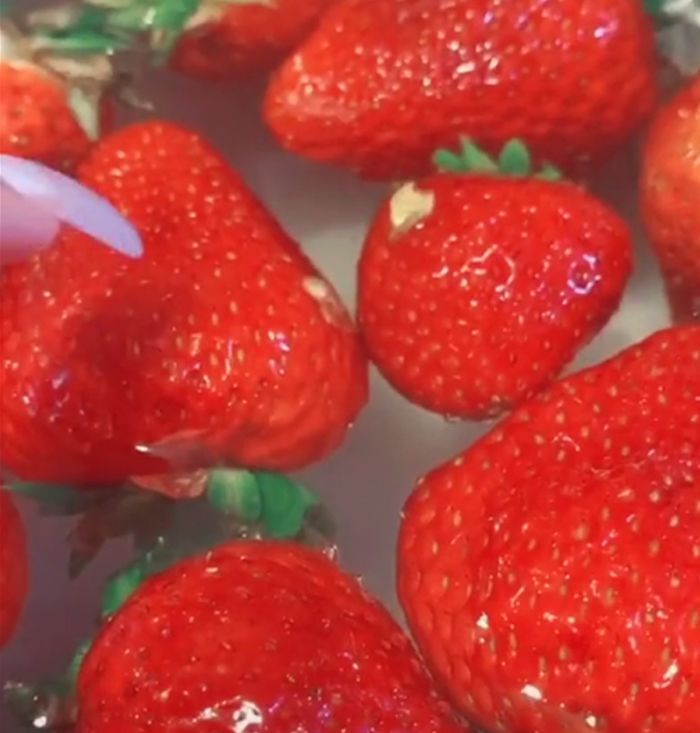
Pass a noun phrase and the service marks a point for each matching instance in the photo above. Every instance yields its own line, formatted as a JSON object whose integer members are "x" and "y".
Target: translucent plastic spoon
{"x": 35, "y": 201}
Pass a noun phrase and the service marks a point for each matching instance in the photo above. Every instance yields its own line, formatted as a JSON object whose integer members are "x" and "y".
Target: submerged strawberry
{"x": 671, "y": 197}
{"x": 549, "y": 573}
{"x": 13, "y": 567}
{"x": 221, "y": 343}
{"x": 238, "y": 39}
{"x": 54, "y": 104}
{"x": 209, "y": 39}
{"x": 477, "y": 287}
{"x": 382, "y": 83}
{"x": 255, "y": 636}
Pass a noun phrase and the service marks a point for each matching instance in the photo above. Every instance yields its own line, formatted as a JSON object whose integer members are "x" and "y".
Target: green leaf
{"x": 120, "y": 586}
{"x": 449, "y": 162}
{"x": 235, "y": 492}
{"x": 51, "y": 495}
{"x": 515, "y": 159}
{"x": 87, "y": 42}
{"x": 134, "y": 18}
{"x": 285, "y": 504}
{"x": 90, "y": 19}
{"x": 470, "y": 159}
{"x": 655, "y": 8}
{"x": 168, "y": 23}
{"x": 477, "y": 161}
{"x": 77, "y": 662}
{"x": 172, "y": 15}
{"x": 550, "y": 173}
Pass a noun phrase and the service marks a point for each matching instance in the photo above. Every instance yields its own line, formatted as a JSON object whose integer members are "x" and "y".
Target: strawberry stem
{"x": 236, "y": 504}
{"x": 655, "y": 7}
{"x": 231, "y": 503}
{"x": 97, "y": 27}
{"x": 514, "y": 161}
{"x": 279, "y": 504}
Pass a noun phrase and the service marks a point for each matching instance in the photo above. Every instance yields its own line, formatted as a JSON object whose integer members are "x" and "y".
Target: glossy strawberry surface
{"x": 222, "y": 343}
{"x": 550, "y": 572}
{"x": 382, "y": 83}
{"x": 13, "y": 567}
{"x": 475, "y": 290}
{"x": 671, "y": 197}
{"x": 270, "y": 638}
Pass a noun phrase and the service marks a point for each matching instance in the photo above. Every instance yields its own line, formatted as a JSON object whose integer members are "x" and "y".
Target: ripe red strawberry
{"x": 209, "y": 39}
{"x": 13, "y": 567}
{"x": 35, "y": 120}
{"x": 382, "y": 83}
{"x": 670, "y": 196}
{"x": 230, "y": 41}
{"x": 53, "y": 106}
{"x": 476, "y": 289}
{"x": 221, "y": 343}
{"x": 268, "y": 637}
{"x": 550, "y": 573}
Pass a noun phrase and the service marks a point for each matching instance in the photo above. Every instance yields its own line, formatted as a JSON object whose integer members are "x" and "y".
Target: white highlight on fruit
{"x": 534, "y": 693}
{"x": 408, "y": 207}
{"x": 248, "y": 716}
{"x": 36, "y": 200}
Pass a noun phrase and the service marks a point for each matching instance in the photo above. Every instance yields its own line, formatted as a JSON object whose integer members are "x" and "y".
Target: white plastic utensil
{"x": 35, "y": 201}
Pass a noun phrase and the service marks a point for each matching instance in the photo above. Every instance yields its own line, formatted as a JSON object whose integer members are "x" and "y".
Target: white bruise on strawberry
{"x": 329, "y": 303}
{"x": 410, "y": 206}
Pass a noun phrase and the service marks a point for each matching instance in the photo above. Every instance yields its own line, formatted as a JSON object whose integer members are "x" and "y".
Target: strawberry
{"x": 222, "y": 343}
{"x": 239, "y": 39}
{"x": 670, "y": 193}
{"x": 54, "y": 104}
{"x": 210, "y": 39}
{"x": 13, "y": 567}
{"x": 476, "y": 289}
{"x": 382, "y": 83}
{"x": 255, "y": 636}
{"x": 550, "y": 572}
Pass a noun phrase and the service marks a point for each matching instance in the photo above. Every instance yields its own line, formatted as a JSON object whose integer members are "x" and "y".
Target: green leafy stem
{"x": 514, "y": 161}
{"x": 235, "y": 504}
{"x": 100, "y": 27}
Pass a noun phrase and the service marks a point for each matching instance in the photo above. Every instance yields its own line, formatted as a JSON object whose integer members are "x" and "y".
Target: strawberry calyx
{"x": 79, "y": 67}
{"x": 229, "y": 504}
{"x": 106, "y": 26}
{"x": 514, "y": 161}
{"x": 235, "y": 504}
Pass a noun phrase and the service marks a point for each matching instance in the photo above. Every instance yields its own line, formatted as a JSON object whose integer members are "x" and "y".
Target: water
{"x": 367, "y": 481}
